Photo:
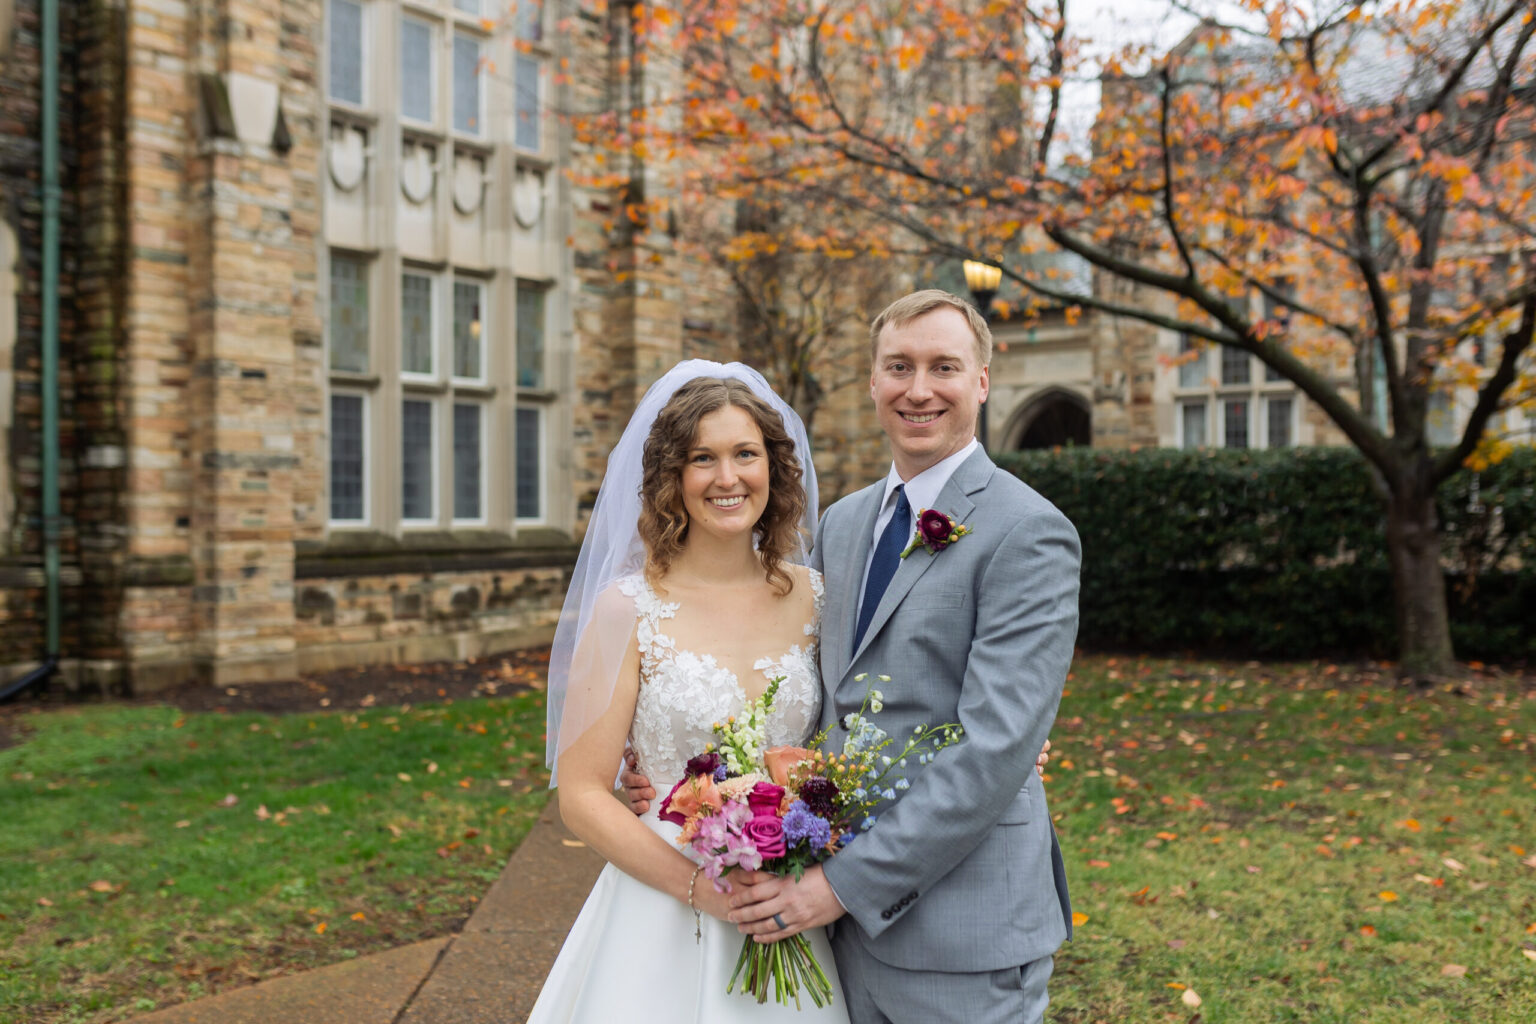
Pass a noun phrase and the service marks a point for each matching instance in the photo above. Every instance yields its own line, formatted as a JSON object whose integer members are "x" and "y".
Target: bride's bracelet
{"x": 698, "y": 930}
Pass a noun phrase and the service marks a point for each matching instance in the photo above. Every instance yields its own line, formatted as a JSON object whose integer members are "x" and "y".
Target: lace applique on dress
{"x": 684, "y": 693}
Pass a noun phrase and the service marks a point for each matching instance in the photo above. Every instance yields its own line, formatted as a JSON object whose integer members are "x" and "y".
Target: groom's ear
{"x": 986, "y": 381}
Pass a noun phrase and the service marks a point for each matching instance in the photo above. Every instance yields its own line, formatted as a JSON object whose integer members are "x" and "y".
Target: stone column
{"x": 246, "y": 263}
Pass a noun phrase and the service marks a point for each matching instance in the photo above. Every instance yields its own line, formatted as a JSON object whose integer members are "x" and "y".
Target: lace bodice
{"x": 684, "y": 693}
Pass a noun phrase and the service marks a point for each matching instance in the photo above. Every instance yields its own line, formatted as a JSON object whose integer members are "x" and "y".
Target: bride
{"x": 688, "y": 597}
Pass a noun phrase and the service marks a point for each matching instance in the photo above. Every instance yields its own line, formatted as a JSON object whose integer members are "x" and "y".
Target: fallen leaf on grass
{"x": 1387, "y": 896}
{"x": 183, "y": 823}
{"x": 572, "y": 842}
{"x": 1079, "y": 918}
{"x": 1167, "y": 837}
{"x": 1190, "y": 998}
{"x": 44, "y": 901}
{"x": 403, "y": 776}
{"x": 1530, "y": 954}
{"x": 1176, "y": 943}
{"x": 1098, "y": 863}
{"x": 1367, "y": 930}
{"x": 1453, "y": 971}
{"x": 320, "y": 928}
{"x": 102, "y": 885}
{"x": 359, "y": 916}
{"x": 262, "y": 814}
{"x": 1454, "y": 864}
{"x": 229, "y": 800}
{"x": 1530, "y": 861}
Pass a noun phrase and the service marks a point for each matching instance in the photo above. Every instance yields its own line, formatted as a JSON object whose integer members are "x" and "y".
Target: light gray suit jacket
{"x": 962, "y": 872}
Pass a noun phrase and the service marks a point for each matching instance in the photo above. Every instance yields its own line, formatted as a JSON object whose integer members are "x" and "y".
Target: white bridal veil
{"x": 592, "y": 637}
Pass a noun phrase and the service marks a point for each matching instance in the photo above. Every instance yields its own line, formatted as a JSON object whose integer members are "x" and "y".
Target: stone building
{"x": 344, "y": 342}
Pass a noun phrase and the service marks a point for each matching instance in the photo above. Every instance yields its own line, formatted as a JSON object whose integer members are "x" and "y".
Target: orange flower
{"x": 693, "y": 795}
{"x": 779, "y": 760}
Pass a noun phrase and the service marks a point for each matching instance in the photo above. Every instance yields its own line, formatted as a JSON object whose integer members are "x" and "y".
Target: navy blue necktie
{"x": 887, "y": 557}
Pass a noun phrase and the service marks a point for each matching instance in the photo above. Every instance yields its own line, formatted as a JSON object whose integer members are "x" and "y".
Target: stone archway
{"x": 1054, "y": 418}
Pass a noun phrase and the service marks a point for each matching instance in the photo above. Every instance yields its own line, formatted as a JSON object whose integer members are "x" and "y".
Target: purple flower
{"x": 767, "y": 834}
{"x": 704, "y": 764}
{"x": 801, "y": 826}
{"x": 764, "y": 800}
{"x": 818, "y": 792}
{"x": 722, "y": 773}
{"x": 935, "y": 527}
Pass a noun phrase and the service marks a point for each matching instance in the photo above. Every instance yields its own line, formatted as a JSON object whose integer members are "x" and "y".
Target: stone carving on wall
{"x": 347, "y": 156}
{"x": 468, "y": 183}
{"x": 418, "y": 171}
{"x": 528, "y": 198}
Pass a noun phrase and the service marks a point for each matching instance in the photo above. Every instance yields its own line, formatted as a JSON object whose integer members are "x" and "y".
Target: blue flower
{"x": 800, "y": 825}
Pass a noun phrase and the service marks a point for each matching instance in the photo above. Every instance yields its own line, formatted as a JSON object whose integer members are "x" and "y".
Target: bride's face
{"x": 725, "y": 477}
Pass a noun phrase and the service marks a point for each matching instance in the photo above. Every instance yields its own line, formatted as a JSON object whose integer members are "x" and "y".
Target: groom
{"x": 952, "y": 905}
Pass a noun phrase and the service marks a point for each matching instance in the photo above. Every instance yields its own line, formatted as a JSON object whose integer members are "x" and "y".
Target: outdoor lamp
{"x": 982, "y": 279}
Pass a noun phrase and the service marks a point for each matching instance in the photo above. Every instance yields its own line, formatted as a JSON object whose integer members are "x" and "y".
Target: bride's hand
{"x": 707, "y": 900}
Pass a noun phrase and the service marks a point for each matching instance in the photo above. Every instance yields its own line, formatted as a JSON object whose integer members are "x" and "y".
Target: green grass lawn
{"x": 149, "y": 856}
{"x": 1286, "y": 843}
{"x": 1294, "y": 843}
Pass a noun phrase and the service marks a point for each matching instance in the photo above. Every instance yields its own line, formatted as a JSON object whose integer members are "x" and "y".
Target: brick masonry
{"x": 193, "y": 370}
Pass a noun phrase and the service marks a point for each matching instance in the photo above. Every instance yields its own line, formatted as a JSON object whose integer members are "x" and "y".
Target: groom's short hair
{"x": 909, "y": 307}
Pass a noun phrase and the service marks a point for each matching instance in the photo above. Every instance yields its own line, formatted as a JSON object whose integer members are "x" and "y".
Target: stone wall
{"x": 404, "y": 617}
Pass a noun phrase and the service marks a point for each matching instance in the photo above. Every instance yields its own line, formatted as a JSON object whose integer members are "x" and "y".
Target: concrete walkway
{"x": 490, "y": 973}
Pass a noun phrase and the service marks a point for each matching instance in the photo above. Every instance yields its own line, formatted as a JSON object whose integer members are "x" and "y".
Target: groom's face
{"x": 928, "y": 385}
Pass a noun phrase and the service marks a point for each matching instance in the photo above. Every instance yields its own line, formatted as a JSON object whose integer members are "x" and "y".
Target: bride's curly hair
{"x": 663, "y": 519}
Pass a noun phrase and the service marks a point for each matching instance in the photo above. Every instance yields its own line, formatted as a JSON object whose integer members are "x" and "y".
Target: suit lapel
{"x": 851, "y": 562}
{"x": 954, "y": 501}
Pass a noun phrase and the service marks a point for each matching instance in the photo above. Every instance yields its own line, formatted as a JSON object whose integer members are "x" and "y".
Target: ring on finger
{"x": 780, "y": 922}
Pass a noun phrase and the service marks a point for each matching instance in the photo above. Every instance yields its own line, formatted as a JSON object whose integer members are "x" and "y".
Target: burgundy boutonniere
{"x": 935, "y": 531}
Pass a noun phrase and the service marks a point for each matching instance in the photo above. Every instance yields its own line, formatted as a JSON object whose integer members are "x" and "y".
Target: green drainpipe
{"x": 50, "y": 382}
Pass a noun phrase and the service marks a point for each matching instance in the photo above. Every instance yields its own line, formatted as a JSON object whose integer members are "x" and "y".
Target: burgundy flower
{"x": 935, "y": 532}
{"x": 765, "y": 799}
{"x": 704, "y": 764}
{"x": 818, "y": 792}
{"x": 935, "y": 527}
{"x": 767, "y": 834}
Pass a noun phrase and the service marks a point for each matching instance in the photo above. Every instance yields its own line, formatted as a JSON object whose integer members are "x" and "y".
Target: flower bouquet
{"x": 782, "y": 809}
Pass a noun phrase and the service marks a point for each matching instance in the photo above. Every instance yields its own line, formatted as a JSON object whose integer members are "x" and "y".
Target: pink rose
{"x": 765, "y": 799}
{"x": 767, "y": 834}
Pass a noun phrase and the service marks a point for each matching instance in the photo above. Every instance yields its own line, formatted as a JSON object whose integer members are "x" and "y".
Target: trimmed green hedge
{"x": 1280, "y": 553}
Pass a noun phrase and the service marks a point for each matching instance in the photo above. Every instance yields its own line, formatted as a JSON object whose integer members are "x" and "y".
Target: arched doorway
{"x": 1055, "y": 419}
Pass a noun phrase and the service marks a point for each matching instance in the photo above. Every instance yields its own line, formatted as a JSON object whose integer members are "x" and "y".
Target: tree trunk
{"x": 1413, "y": 546}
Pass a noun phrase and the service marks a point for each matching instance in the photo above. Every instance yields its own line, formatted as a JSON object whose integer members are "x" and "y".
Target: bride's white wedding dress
{"x": 631, "y": 956}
